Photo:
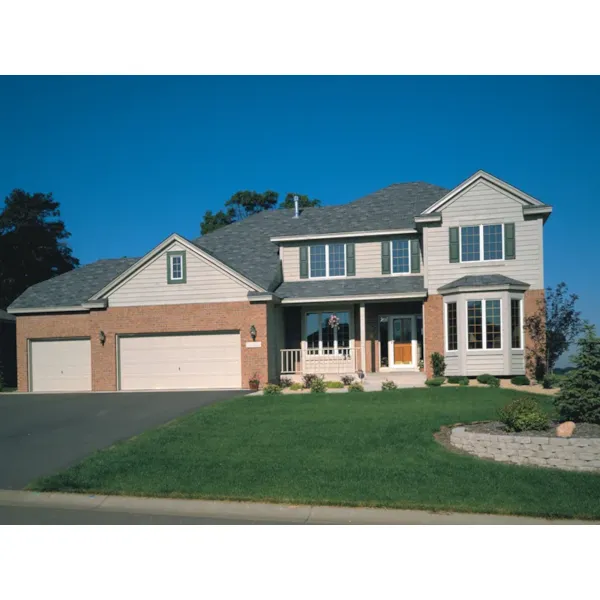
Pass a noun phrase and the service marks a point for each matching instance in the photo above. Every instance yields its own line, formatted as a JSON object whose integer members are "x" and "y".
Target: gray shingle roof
{"x": 74, "y": 287}
{"x": 482, "y": 281}
{"x": 4, "y": 316}
{"x": 246, "y": 247}
{"x": 351, "y": 287}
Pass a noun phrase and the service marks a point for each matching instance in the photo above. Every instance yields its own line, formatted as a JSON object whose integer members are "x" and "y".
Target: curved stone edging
{"x": 571, "y": 454}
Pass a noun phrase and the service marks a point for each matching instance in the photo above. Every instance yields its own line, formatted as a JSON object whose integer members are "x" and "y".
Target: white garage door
{"x": 61, "y": 366}
{"x": 179, "y": 362}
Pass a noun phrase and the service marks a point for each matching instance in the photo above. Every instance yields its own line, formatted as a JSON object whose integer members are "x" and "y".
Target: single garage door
{"x": 179, "y": 362}
{"x": 61, "y": 366}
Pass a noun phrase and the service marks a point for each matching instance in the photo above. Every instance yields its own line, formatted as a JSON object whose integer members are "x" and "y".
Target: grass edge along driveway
{"x": 355, "y": 449}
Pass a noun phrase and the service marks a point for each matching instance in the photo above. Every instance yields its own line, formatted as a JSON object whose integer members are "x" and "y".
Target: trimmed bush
{"x": 334, "y": 385}
{"x": 520, "y": 380}
{"x": 524, "y": 414}
{"x": 347, "y": 379}
{"x": 579, "y": 396}
{"x": 308, "y": 379}
{"x": 548, "y": 382}
{"x": 457, "y": 379}
{"x": 464, "y": 381}
{"x": 388, "y": 386}
{"x": 356, "y": 387}
{"x": 271, "y": 389}
{"x": 318, "y": 386}
{"x": 438, "y": 364}
{"x": 488, "y": 379}
{"x": 285, "y": 382}
{"x": 296, "y": 386}
{"x": 435, "y": 381}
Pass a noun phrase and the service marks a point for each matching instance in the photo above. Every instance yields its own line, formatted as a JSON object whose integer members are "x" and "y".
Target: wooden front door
{"x": 402, "y": 336}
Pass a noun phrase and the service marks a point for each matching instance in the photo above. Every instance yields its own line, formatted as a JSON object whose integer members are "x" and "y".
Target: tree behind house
{"x": 32, "y": 243}
{"x": 552, "y": 328}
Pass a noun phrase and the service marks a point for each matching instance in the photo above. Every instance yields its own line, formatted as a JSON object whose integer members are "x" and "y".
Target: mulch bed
{"x": 582, "y": 430}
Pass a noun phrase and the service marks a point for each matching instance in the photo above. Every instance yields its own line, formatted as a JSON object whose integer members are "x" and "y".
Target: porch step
{"x": 372, "y": 381}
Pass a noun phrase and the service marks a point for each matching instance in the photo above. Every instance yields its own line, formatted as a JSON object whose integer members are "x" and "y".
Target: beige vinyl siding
{"x": 204, "y": 283}
{"x": 61, "y": 366}
{"x": 453, "y": 364}
{"x": 177, "y": 362}
{"x": 517, "y": 362}
{"x": 480, "y": 205}
{"x": 367, "y": 257}
{"x": 486, "y": 361}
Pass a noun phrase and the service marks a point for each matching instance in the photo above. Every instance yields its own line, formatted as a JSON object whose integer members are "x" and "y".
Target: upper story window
{"x": 328, "y": 260}
{"x": 481, "y": 242}
{"x": 400, "y": 256}
{"x": 176, "y": 267}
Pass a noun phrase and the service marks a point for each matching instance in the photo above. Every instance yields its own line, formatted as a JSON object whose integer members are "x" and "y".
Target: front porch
{"x": 374, "y": 337}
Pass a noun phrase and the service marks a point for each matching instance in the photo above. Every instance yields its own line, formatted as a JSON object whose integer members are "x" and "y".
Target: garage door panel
{"x": 61, "y": 366}
{"x": 199, "y": 361}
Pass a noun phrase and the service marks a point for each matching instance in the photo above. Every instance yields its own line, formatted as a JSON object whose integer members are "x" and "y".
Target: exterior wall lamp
{"x": 253, "y": 332}
{"x": 102, "y": 337}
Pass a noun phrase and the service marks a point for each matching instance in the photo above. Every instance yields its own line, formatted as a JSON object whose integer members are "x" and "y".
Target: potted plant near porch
{"x": 254, "y": 382}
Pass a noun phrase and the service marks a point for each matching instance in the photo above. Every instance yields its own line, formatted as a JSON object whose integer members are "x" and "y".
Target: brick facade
{"x": 433, "y": 325}
{"x": 229, "y": 316}
{"x": 531, "y": 304}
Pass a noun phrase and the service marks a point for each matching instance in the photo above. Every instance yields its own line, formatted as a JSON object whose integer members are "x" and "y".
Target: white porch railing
{"x": 323, "y": 361}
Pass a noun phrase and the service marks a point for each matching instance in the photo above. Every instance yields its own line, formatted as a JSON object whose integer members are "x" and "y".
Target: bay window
{"x": 484, "y": 333}
{"x": 451, "y": 327}
{"x": 321, "y": 338}
{"x": 516, "y": 326}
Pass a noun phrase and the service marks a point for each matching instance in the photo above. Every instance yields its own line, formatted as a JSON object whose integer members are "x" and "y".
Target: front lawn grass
{"x": 358, "y": 449}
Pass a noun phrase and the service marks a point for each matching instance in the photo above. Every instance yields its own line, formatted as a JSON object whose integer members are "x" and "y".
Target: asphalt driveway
{"x": 43, "y": 433}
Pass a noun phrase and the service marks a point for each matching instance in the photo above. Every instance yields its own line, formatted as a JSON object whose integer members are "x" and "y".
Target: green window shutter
{"x": 453, "y": 245}
{"x": 350, "y": 261}
{"x": 415, "y": 257}
{"x": 509, "y": 241}
{"x": 385, "y": 258}
{"x": 303, "y": 262}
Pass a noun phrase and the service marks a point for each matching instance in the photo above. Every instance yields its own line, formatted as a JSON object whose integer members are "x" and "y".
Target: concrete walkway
{"x": 405, "y": 379}
{"x": 250, "y": 512}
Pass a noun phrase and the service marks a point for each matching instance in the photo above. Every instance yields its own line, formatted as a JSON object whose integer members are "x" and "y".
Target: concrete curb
{"x": 253, "y": 511}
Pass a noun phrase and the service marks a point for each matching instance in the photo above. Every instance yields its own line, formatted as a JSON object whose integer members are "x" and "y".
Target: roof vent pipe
{"x": 296, "y": 207}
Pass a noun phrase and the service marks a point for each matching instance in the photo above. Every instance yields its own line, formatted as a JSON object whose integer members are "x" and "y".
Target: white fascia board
{"x": 428, "y": 219}
{"x": 160, "y": 248}
{"x": 490, "y": 288}
{"x": 350, "y": 234}
{"x": 263, "y": 298}
{"x": 47, "y": 309}
{"x": 482, "y": 175}
{"x": 537, "y": 210}
{"x": 365, "y": 297}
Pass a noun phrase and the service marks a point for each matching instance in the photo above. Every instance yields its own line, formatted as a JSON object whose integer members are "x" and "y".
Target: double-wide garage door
{"x": 178, "y": 362}
{"x": 61, "y": 366}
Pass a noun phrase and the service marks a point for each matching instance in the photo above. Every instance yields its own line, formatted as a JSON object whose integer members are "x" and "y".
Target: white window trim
{"x": 522, "y": 333}
{"x": 481, "y": 245}
{"x": 484, "y": 347}
{"x": 392, "y": 259}
{"x": 171, "y": 261}
{"x": 327, "y": 276}
{"x": 446, "y": 325}
{"x": 311, "y": 351}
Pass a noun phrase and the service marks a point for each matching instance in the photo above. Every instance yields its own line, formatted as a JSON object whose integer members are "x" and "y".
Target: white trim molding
{"x": 349, "y": 234}
{"x": 428, "y": 218}
{"x": 49, "y": 309}
{"x": 398, "y": 296}
{"x": 537, "y": 210}
{"x": 482, "y": 176}
{"x": 504, "y": 287}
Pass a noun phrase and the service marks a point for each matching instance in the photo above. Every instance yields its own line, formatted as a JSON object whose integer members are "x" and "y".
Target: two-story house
{"x": 377, "y": 284}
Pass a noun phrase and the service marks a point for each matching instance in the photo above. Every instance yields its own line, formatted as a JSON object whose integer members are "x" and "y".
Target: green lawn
{"x": 341, "y": 449}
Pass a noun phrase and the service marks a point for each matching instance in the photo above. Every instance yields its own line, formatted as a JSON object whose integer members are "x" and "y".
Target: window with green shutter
{"x": 303, "y": 262}
{"x": 509, "y": 241}
{"x": 350, "y": 260}
{"x": 415, "y": 257}
{"x": 385, "y": 258}
{"x": 453, "y": 244}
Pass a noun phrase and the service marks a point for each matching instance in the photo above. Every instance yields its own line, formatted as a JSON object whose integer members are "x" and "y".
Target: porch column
{"x": 363, "y": 339}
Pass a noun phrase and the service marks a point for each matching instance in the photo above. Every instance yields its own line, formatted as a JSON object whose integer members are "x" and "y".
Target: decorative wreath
{"x": 334, "y": 321}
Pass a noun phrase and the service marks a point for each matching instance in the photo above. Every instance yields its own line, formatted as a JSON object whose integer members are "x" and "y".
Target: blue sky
{"x": 133, "y": 159}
